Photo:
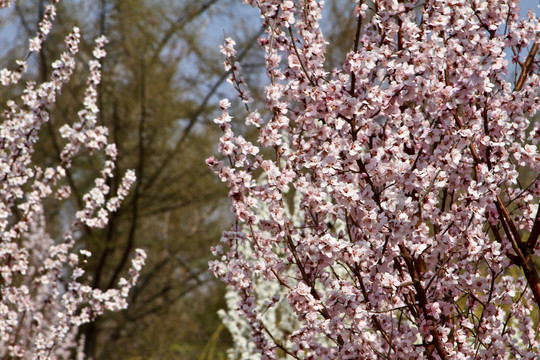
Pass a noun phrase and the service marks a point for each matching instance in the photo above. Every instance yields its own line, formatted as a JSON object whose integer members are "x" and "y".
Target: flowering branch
{"x": 407, "y": 164}
{"x": 42, "y": 300}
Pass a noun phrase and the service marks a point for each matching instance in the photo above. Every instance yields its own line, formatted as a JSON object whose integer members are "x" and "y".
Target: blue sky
{"x": 530, "y": 4}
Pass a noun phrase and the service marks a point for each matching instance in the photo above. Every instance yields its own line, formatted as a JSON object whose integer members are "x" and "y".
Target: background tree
{"x": 160, "y": 81}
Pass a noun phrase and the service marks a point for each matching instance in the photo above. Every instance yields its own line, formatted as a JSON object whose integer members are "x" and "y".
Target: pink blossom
{"x": 42, "y": 302}
{"x": 391, "y": 197}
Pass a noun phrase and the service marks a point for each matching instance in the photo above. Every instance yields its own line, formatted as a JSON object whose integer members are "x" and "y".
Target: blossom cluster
{"x": 43, "y": 299}
{"x": 274, "y": 309}
{"x": 416, "y": 168}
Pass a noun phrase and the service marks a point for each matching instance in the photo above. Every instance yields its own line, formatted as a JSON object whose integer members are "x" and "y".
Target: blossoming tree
{"x": 416, "y": 167}
{"x": 43, "y": 300}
